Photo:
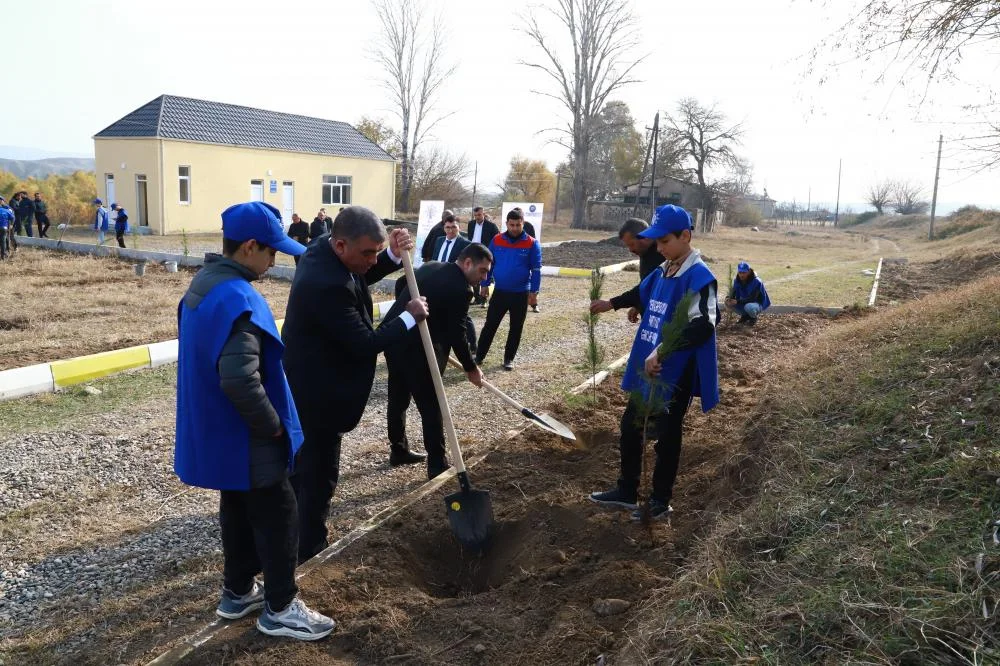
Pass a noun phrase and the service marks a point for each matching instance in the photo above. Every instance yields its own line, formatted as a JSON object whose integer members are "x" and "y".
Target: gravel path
{"x": 92, "y": 515}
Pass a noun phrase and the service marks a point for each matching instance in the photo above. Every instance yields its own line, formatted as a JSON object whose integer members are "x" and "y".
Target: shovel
{"x": 470, "y": 512}
{"x": 543, "y": 421}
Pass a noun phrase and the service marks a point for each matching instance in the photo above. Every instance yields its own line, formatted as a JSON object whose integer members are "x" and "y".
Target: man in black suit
{"x": 330, "y": 350}
{"x": 481, "y": 230}
{"x": 649, "y": 258}
{"x": 448, "y": 247}
{"x": 447, "y": 286}
{"x": 437, "y": 231}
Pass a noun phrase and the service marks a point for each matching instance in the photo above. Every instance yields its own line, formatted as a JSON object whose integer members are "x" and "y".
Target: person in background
{"x": 237, "y": 427}
{"x": 649, "y": 258}
{"x": 6, "y": 222}
{"x": 41, "y": 215}
{"x": 101, "y": 220}
{"x": 298, "y": 230}
{"x": 481, "y": 230}
{"x": 121, "y": 223}
{"x": 747, "y": 297}
{"x": 26, "y": 210}
{"x": 320, "y": 225}
{"x": 448, "y": 247}
{"x": 437, "y": 231}
{"x": 517, "y": 269}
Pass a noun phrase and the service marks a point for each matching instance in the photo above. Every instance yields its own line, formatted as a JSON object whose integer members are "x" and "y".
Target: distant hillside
{"x": 46, "y": 167}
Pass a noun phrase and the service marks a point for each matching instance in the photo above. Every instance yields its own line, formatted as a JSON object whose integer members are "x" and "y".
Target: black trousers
{"x": 120, "y": 237}
{"x": 317, "y": 470}
{"x": 409, "y": 377}
{"x": 260, "y": 532}
{"x": 43, "y": 225}
{"x": 4, "y": 242}
{"x": 669, "y": 427}
{"x": 502, "y": 302}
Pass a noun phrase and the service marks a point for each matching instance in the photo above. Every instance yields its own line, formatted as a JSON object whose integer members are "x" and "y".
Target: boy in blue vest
{"x": 667, "y": 386}
{"x": 747, "y": 297}
{"x": 237, "y": 428}
{"x": 6, "y": 220}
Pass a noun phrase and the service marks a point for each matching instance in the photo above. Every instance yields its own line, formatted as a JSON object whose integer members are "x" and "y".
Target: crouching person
{"x": 237, "y": 428}
{"x": 747, "y": 297}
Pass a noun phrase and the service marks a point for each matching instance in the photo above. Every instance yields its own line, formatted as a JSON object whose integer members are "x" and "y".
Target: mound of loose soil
{"x": 563, "y": 575}
{"x": 904, "y": 281}
{"x": 580, "y": 254}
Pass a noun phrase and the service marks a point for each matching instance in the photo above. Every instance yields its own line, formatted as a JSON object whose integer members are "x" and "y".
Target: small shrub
{"x": 861, "y": 218}
{"x": 743, "y": 215}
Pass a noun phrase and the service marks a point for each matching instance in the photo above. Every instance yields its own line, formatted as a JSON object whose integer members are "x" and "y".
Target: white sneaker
{"x": 296, "y": 621}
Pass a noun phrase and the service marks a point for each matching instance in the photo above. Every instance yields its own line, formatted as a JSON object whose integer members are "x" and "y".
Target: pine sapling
{"x": 594, "y": 352}
{"x": 184, "y": 242}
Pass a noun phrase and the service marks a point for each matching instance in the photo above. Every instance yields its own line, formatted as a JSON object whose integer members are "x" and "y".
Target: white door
{"x": 256, "y": 190}
{"x": 109, "y": 188}
{"x": 287, "y": 202}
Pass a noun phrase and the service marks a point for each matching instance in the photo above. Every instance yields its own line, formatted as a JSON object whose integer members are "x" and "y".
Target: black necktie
{"x": 444, "y": 252}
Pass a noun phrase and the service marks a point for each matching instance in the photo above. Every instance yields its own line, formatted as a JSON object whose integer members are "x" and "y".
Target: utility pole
{"x": 475, "y": 182}
{"x": 652, "y": 178}
{"x": 809, "y": 202}
{"x": 937, "y": 173}
{"x": 555, "y": 207}
{"x": 836, "y": 213}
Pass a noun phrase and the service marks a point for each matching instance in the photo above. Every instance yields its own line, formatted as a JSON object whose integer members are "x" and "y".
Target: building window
{"x": 336, "y": 190}
{"x": 184, "y": 183}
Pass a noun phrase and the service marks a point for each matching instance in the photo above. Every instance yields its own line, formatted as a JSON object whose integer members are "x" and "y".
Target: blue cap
{"x": 744, "y": 267}
{"x": 256, "y": 220}
{"x": 668, "y": 219}
{"x": 98, "y": 202}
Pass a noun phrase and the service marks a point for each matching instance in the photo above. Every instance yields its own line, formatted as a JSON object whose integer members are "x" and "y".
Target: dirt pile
{"x": 904, "y": 281}
{"x": 580, "y": 254}
{"x": 564, "y": 576}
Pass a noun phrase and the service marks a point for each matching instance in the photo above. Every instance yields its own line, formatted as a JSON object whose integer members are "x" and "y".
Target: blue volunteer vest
{"x": 741, "y": 291}
{"x": 212, "y": 447}
{"x": 660, "y": 296}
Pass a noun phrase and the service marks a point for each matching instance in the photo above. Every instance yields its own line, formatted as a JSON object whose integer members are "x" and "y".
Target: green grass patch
{"x": 867, "y": 535}
{"x": 67, "y": 406}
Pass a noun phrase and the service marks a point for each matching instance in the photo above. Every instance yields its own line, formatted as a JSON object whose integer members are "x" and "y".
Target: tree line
{"x": 68, "y": 197}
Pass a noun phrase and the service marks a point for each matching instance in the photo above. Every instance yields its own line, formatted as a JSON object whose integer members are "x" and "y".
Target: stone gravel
{"x": 92, "y": 511}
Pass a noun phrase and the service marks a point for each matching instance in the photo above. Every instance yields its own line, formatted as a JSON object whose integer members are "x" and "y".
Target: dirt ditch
{"x": 579, "y": 254}
{"x": 563, "y": 575}
{"x": 904, "y": 281}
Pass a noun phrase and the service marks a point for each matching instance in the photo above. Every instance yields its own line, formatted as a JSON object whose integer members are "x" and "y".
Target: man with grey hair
{"x": 331, "y": 345}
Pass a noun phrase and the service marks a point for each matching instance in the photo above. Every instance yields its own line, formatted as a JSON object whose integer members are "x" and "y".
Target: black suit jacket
{"x": 448, "y": 296}
{"x": 331, "y": 344}
{"x": 489, "y": 231}
{"x": 437, "y": 231}
{"x": 460, "y": 244}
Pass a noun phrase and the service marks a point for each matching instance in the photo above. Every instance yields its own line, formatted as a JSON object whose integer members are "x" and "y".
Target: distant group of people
{"x": 16, "y": 218}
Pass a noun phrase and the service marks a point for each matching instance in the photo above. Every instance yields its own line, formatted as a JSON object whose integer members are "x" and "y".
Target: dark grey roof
{"x": 186, "y": 119}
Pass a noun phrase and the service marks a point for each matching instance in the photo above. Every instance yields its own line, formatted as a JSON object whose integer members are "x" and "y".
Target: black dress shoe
{"x": 508, "y": 365}
{"x": 436, "y": 469}
{"x": 400, "y": 455}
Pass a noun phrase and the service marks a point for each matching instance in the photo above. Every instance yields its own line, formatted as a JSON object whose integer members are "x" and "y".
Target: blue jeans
{"x": 751, "y": 310}
{"x": 100, "y": 236}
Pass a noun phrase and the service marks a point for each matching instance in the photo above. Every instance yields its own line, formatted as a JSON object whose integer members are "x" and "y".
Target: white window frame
{"x": 181, "y": 179}
{"x": 338, "y": 185}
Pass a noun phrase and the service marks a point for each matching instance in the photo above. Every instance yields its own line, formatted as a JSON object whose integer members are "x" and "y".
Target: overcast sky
{"x": 84, "y": 65}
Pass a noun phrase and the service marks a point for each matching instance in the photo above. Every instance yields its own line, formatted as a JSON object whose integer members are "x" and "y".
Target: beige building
{"x": 176, "y": 163}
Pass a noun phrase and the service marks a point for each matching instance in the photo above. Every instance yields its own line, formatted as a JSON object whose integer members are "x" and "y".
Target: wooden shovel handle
{"x": 492, "y": 389}
{"x": 425, "y": 338}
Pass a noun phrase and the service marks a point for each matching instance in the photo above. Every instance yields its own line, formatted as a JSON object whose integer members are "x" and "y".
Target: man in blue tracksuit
{"x": 121, "y": 224}
{"x": 101, "y": 220}
{"x": 237, "y": 427}
{"x": 517, "y": 270}
{"x": 747, "y": 297}
{"x": 666, "y": 385}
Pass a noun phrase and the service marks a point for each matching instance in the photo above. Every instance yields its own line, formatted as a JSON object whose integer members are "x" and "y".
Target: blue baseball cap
{"x": 256, "y": 220}
{"x": 98, "y": 202}
{"x": 743, "y": 267}
{"x": 668, "y": 219}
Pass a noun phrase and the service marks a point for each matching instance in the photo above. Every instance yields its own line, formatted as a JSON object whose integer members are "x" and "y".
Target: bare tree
{"x": 602, "y": 34}
{"x": 739, "y": 180}
{"x": 907, "y": 199}
{"x": 410, "y": 51}
{"x": 438, "y": 174}
{"x": 880, "y": 195}
{"x": 708, "y": 140}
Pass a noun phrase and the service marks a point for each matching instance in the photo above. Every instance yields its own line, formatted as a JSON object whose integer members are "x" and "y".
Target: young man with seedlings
{"x": 237, "y": 427}
{"x": 747, "y": 297}
{"x": 667, "y": 367}
{"x": 649, "y": 259}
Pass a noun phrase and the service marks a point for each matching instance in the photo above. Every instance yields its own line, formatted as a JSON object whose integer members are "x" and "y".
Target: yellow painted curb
{"x": 85, "y": 368}
{"x": 575, "y": 272}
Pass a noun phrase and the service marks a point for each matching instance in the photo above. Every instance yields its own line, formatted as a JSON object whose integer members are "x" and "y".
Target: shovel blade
{"x": 555, "y": 426}
{"x": 470, "y": 513}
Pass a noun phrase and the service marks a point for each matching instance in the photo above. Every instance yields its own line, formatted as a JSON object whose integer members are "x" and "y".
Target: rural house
{"x": 176, "y": 163}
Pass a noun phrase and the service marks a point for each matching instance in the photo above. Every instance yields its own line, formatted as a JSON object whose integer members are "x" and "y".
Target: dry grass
{"x": 857, "y": 526}
{"x": 56, "y": 305}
